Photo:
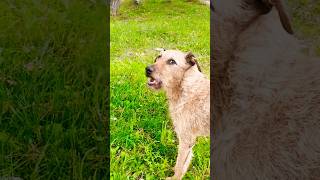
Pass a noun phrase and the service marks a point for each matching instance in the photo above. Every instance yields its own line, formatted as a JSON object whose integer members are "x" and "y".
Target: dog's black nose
{"x": 149, "y": 70}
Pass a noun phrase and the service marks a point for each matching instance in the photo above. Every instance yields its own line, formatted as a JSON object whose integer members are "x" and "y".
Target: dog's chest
{"x": 191, "y": 116}
{"x": 181, "y": 117}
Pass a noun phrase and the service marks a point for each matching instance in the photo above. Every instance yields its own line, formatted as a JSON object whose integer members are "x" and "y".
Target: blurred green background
{"x": 306, "y": 21}
{"x": 53, "y": 79}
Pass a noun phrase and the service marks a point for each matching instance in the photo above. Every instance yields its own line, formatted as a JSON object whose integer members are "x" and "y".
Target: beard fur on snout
{"x": 154, "y": 83}
{"x": 173, "y": 83}
{"x": 151, "y": 81}
{"x": 165, "y": 82}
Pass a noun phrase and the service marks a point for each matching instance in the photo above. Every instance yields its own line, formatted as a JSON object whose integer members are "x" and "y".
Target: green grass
{"x": 53, "y": 89}
{"x": 143, "y": 143}
{"x": 306, "y": 21}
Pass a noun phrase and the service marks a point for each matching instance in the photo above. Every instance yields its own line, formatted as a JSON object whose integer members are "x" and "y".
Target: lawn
{"x": 143, "y": 143}
{"x": 53, "y": 89}
{"x": 306, "y": 20}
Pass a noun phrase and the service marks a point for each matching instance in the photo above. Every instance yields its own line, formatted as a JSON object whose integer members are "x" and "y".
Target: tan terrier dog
{"x": 188, "y": 93}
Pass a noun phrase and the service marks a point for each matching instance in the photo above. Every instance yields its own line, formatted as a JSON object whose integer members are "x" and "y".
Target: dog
{"x": 188, "y": 94}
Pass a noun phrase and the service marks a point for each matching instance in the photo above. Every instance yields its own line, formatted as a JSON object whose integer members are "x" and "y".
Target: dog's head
{"x": 169, "y": 68}
{"x": 243, "y": 12}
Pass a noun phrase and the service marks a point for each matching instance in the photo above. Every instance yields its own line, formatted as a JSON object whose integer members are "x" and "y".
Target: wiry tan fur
{"x": 188, "y": 92}
{"x": 266, "y": 96}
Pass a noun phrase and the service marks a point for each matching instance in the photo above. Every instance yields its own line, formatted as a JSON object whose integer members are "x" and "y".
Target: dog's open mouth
{"x": 154, "y": 83}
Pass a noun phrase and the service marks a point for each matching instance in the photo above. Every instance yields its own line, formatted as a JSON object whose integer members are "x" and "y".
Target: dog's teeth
{"x": 152, "y": 80}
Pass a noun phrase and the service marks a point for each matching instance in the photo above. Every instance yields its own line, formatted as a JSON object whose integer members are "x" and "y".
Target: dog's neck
{"x": 175, "y": 93}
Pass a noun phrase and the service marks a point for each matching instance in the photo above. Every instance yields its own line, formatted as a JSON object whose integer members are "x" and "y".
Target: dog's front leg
{"x": 183, "y": 159}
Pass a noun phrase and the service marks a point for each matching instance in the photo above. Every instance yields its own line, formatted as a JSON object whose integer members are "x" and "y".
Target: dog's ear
{"x": 190, "y": 59}
{"x": 284, "y": 18}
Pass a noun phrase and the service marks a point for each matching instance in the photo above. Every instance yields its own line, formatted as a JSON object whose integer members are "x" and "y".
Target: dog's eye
{"x": 171, "y": 61}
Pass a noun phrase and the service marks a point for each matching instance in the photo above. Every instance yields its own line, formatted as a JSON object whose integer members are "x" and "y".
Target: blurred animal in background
{"x": 114, "y": 6}
{"x": 266, "y": 94}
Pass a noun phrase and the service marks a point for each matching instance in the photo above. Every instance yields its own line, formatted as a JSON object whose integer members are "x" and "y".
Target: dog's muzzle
{"x": 153, "y": 83}
{"x": 149, "y": 70}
